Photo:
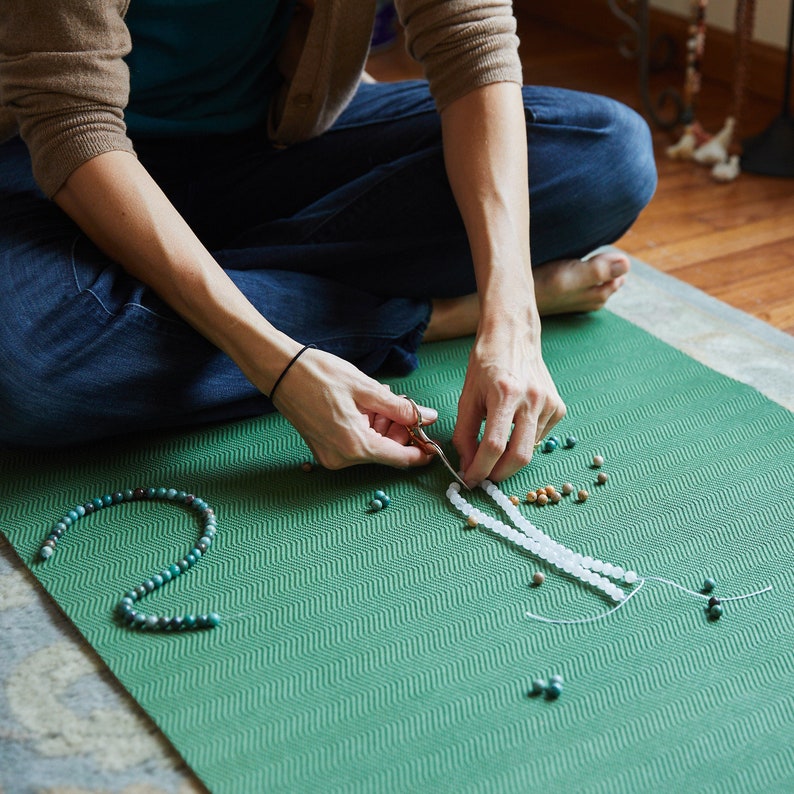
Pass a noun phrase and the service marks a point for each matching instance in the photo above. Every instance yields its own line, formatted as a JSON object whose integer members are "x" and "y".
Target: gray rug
{"x": 66, "y": 726}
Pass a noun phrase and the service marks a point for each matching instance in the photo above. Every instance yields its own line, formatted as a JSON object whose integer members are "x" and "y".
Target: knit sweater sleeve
{"x": 63, "y": 78}
{"x": 462, "y": 44}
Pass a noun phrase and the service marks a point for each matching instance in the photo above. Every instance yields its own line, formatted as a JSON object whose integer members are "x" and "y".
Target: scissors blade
{"x": 440, "y": 452}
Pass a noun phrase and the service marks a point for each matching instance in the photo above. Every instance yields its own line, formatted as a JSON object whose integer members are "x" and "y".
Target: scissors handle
{"x": 427, "y": 445}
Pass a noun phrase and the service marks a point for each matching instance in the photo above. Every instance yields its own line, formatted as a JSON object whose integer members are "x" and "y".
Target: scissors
{"x": 427, "y": 445}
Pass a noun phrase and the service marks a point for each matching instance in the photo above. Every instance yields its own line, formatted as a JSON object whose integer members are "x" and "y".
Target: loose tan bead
{"x": 598, "y": 461}
{"x": 582, "y": 495}
{"x": 602, "y": 477}
{"x": 538, "y": 578}
{"x": 550, "y": 489}
{"x": 567, "y": 488}
{"x": 472, "y": 521}
{"x": 543, "y": 499}
{"x": 307, "y": 467}
{"x": 531, "y": 496}
{"x": 541, "y": 491}
{"x": 555, "y": 497}
{"x": 515, "y": 500}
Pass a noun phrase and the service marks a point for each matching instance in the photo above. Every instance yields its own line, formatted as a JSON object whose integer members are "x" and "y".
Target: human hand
{"x": 508, "y": 385}
{"x": 346, "y": 417}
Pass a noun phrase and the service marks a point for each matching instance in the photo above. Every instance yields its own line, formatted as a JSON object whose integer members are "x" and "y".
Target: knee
{"x": 629, "y": 163}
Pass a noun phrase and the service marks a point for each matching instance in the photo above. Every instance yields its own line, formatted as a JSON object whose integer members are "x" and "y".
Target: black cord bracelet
{"x": 287, "y": 368}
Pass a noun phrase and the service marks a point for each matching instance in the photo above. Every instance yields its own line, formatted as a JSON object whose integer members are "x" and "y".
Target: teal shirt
{"x": 202, "y": 66}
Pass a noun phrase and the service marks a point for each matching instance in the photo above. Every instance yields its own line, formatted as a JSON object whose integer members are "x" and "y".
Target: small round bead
{"x": 570, "y": 441}
{"x": 567, "y": 488}
{"x": 548, "y": 446}
{"x": 514, "y": 500}
{"x": 213, "y": 619}
{"x": 151, "y": 621}
{"x": 375, "y": 505}
{"x": 550, "y": 489}
{"x": 532, "y": 497}
{"x": 89, "y": 508}
{"x": 582, "y": 495}
{"x": 139, "y": 493}
{"x": 383, "y": 498}
{"x": 598, "y": 460}
{"x": 538, "y": 578}
{"x": 307, "y": 466}
{"x": 714, "y": 601}
{"x": 554, "y": 690}
{"x": 538, "y": 686}
{"x": 543, "y": 499}
{"x": 630, "y": 577}
{"x": 163, "y": 622}
{"x": 189, "y": 621}
{"x": 715, "y": 612}
{"x": 555, "y": 497}
{"x": 556, "y": 679}
{"x": 602, "y": 477}
{"x": 708, "y": 585}
{"x": 472, "y": 521}
{"x": 176, "y": 623}
{"x": 98, "y": 503}
{"x": 46, "y": 552}
{"x": 540, "y": 491}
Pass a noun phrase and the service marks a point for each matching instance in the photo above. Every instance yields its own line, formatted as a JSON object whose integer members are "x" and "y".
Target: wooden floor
{"x": 734, "y": 241}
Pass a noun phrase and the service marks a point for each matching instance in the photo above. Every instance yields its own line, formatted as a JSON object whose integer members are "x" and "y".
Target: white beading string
{"x": 527, "y": 536}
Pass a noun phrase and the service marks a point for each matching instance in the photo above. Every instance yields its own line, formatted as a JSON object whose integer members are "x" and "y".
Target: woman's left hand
{"x": 508, "y": 385}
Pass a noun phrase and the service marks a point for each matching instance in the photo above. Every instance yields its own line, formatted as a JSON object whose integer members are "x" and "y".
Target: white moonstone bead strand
{"x": 586, "y": 569}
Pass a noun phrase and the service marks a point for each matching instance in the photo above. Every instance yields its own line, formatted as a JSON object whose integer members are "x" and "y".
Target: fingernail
{"x": 618, "y": 268}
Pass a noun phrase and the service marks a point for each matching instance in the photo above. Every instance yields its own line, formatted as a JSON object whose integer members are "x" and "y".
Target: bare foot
{"x": 575, "y": 285}
{"x": 561, "y": 287}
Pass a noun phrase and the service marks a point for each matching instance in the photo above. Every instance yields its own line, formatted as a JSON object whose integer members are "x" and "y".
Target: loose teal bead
{"x": 555, "y": 440}
{"x": 538, "y": 686}
{"x": 381, "y": 495}
{"x": 556, "y": 679}
{"x": 570, "y": 441}
{"x": 213, "y": 619}
{"x": 554, "y": 690}
{"x": 375, "y": 505}
{"x": 715, "y": 612}
{"x": 548, "y": 446}
{"x": 708, "y": 585}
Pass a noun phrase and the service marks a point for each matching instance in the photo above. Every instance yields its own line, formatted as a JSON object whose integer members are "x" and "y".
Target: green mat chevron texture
{"x": 391, "y": 652}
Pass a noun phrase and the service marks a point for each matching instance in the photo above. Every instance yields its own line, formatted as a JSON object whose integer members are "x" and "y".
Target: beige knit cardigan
{"x": 64, "y": 84}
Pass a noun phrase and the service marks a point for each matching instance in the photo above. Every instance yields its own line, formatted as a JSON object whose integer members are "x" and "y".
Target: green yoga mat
{"x": 391, "y": 651}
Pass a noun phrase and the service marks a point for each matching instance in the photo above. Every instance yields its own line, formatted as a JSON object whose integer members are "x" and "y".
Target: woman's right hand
{"x": 346, "y": 417}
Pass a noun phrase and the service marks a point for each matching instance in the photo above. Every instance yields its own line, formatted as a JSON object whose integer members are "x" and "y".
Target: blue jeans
{"x": 341, "y": 241}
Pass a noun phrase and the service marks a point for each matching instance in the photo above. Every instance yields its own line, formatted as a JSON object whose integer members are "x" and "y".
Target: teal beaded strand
{"x": 131, "y": 616}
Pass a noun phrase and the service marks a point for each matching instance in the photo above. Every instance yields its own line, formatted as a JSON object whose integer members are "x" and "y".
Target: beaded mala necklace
{"x": 127, "y": 611}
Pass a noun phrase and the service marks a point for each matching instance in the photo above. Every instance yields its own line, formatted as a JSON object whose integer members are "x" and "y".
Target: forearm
{"x": 120, "y": 207}
{"x": 485, "y": 150}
